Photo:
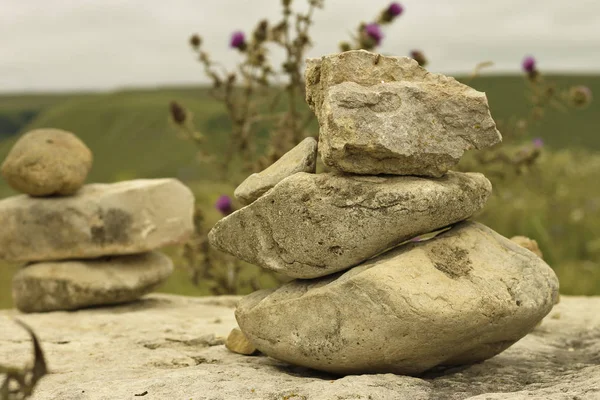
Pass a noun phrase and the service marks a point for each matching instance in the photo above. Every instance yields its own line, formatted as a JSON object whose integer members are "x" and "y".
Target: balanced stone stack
{"x": 84, "y": 245}
{"x": 368, "y": 298}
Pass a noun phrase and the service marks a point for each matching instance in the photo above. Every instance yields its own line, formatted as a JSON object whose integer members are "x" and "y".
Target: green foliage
{"x": 557, "y": 203}
{"x": 577, "y": 129}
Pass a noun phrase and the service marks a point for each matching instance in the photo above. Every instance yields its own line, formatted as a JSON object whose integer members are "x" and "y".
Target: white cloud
{"x": 105, "y": 44}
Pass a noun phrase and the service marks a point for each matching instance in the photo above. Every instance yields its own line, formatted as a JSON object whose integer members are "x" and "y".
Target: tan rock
{"x": 100, "y": 219}
{"x": 237, "y": 342}
{"x": 47, "y": 162}
{"x": 70, "y": 285}
{"x": 529, "y": 244}
{"x": 387, "y": 115}
{"x": 301, "y": 158}
{"x": 459, "y": 298}
{"x": 312, "y": 225}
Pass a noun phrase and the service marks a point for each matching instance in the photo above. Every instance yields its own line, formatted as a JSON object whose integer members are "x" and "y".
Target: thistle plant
{"x": 259, "y": 95}
{"x": 523, "y": 150}
{"x": 369, "y": 35}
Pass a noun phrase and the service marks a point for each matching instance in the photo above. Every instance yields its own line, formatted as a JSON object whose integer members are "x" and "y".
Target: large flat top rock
{"x": 164, "y": 346}
{"x": 387, "y": 115}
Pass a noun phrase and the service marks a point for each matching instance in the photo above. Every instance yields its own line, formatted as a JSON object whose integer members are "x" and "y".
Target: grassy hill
{"x": 131, "y": 137}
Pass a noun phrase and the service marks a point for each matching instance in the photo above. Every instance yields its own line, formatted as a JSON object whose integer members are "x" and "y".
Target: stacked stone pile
{"x": 367, "y": 298}
{"x": 84, "y": 245}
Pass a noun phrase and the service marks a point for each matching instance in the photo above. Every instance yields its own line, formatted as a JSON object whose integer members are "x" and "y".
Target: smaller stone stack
{"x": 84, "y": 245}
{"x": 365, "y": 301}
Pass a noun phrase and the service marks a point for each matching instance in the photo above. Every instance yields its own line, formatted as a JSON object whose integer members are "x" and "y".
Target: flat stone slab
{"x": 312, "y": 225}
{"x": 302, "y": 158}
{"x": 168, "y": 347}
{"x": 456, "y": 299}
{"x": 387, "y": 115}
{"x": 70, "y": 285}
{"x": 99, "y": 220}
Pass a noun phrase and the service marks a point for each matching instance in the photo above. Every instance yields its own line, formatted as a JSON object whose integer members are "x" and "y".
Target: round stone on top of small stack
{"x": 46, "y": 162}
{"x": 85, "y": 245}
{"x": 368, "y": 299}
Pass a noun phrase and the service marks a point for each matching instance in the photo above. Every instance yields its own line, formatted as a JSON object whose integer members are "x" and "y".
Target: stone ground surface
{"x": 170, "y": 347}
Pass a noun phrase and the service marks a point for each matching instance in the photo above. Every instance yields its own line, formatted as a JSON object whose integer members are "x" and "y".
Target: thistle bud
{"x": 345, "y": 46}
{"x": 580, "y": 96}
{"x": 260, "y": 34}
{"x": 419, "y": 57}
{"x": 195, "y": 41}
{"x": 178, "y": 113}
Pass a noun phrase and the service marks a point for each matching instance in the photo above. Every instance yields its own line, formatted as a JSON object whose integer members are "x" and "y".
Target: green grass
{"x": 131, "y": 137}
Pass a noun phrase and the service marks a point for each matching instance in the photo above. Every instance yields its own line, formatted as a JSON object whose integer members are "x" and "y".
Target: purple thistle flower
{"x": 538, "y": 143}
{"x": 395, "y": 9}
{"x": 374, "y": 32}
{"x": 528, "y": 64}
{"x": 238, "y": 40}
{"x": 223, "y": 204}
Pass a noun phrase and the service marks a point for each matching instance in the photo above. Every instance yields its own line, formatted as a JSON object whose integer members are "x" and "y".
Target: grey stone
{"x": 69, "y": 285}
{"x": 100, "y": 219}
{"x": 387, "y": 115}
{"x": 301, "y": 158}
{"x": 149, "y": 346}
{"x": 459, "y": 298}
{"x": 47, "y": 162}
{"x": 312, "y": 225}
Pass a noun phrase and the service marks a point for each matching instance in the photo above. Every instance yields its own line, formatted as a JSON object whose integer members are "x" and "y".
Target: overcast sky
{"x": 109, "y": 44}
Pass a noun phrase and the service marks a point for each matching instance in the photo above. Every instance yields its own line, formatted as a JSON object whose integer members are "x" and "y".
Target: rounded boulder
{"x": 46, "y": 162}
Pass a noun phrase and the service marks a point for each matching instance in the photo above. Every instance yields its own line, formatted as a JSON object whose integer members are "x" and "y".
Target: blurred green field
{"x": 557, "y": 203}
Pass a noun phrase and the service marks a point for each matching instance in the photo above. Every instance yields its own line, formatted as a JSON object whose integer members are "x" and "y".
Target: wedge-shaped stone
{"x": 100, "y": 219}
{"x": 70, "y": 285}
{"x": 314, "y": 225}
{"x": 387, "y": 115}
{"x": 459, "y": 298}
{"x": 301, "y": 158}
{"x": 238, "y": 343}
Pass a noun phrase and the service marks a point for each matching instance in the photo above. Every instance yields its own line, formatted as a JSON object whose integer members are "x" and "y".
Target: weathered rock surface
{"x": 301, "y": 158}
{"x": 459, "y": 298}
{"x": 100, "y": 219}
{"x": 387, "y": 115}
{"x": 237, "y": 342}
{"x": 70, "y": 285}
{"x": 47, "y": 162}
{"x": 168, "y": 347}
{"x": 312, "y": 225}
